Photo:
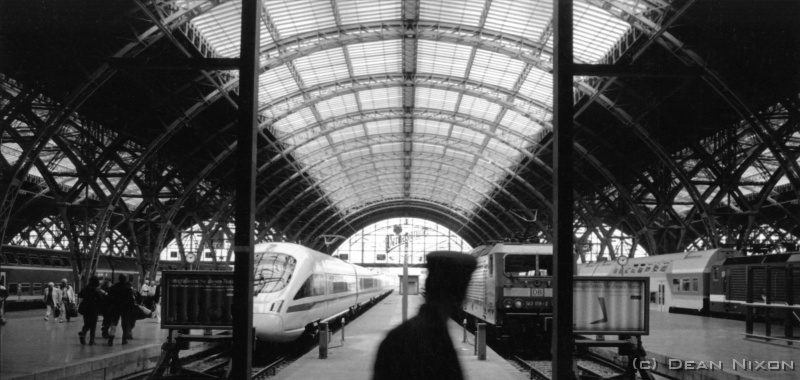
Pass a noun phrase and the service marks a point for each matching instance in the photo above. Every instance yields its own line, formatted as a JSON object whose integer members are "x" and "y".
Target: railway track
{"x": 587, "y": 369}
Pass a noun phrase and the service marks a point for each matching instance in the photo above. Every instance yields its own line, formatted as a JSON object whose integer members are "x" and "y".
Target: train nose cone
{"x": 269, "y": 327}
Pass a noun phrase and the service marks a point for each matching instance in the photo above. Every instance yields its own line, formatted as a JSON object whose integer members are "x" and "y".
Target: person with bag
{"x": 51, "y": 297}
{"x": 91, "y": 297}
{"x": 121, "y": 306}
{"x": 67, "y": 301}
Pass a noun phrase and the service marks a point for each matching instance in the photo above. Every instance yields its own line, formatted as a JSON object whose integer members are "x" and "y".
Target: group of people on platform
{"x": 59, "y": 300}
{"x": 118, "y": 302}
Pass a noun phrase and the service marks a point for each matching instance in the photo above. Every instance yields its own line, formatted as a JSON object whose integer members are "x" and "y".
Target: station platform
{"x": 354, "y": 358}
{"x": 32, "y": 348}
{"x": 697, "y": 341}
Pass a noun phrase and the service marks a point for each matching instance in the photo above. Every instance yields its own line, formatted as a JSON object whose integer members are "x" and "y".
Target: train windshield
{"x": 273, "y": 272}
{"x": 528, "y": 265}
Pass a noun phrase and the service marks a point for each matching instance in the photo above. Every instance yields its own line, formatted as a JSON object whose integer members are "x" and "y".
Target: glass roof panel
{"x": 293, "y": 122}
{"x": 595, "y": 32}
{"x": 295, "y": 17}
{"x": 496, "y": 69}
{"x": 376, "y": 57}
{"x": 322, "y": 67}
{"x": 391, "y": 126}
{"x": 221, "y": 27}
{"x": 435, "y": 99}
{"x": 520, "y": 124}
{"x": 337, "y": 106}
{"x": 387, "y": 97}
{"x": 455, "y": 11}
{"x": 349, "y": 133}
{"x": 431, "y": 127}
{"x": 479, "y": 108}
{"x": 442, "y": 58}
{"x": 274, "y": 84}
{"x": 468, "y": 135}
{"x": 538, "y": 85}
{"x": 520, "y": 18}
{"x": 361, "y": 11}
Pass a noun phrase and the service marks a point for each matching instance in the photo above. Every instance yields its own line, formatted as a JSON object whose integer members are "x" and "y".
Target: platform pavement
{"x": 31, "y": 348}
{"x": 355, "y": 357}
{"x": 705, "y": 340}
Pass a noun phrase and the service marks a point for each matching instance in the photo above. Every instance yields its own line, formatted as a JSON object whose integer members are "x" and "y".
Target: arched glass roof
{"x": 380, "y": 100}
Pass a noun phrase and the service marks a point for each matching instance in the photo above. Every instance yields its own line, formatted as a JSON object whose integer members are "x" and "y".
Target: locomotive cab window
{"x": 273, "y": 272}
{"x": 528, "y": 265}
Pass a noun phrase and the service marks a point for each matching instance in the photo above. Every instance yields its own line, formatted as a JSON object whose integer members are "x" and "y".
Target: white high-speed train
{"x": 297, "y": 287}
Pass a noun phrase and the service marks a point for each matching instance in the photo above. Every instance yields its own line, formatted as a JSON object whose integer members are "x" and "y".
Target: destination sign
{"x": 197, "y": 299}
{"x": 611, "y": 305}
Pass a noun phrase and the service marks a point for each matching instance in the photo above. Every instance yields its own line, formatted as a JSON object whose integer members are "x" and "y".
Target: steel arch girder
{"x": 396, "y": 200}
{"x": 411, "y": 208}
{"x": 478, "y": 206}
{"x": 496, "y": 95}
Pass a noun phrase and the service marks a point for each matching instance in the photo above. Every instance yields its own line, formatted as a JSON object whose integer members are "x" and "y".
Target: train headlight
{"x": 518, "y": 304}
{"x": 507, "y": 303}
{"x": 537, "y": 283}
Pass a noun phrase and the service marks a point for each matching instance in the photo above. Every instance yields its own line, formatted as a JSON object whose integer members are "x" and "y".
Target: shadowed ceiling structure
{"x": 437, "y": 109}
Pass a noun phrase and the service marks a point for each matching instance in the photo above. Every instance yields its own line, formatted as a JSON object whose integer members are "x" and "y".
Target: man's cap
{"x": 451, "y": 262}
{"x": 449, "y": 272}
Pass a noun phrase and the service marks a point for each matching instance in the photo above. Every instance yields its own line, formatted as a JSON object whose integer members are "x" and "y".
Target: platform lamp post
{"x": 405, "y": 281}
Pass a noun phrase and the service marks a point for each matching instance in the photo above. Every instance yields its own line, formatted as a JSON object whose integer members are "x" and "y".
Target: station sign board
{"x": 197, "y": 300}
{"x": 611, "y": 305}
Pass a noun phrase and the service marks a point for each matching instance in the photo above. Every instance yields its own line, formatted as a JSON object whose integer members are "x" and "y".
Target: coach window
{"x": 676, "y": 285}
{"x": 35, "y": 260}
{"x": 491, "y": 264}
{"x": 685, "y": 285}
{"x": 46, "y": 261}
{"x": 65, "y": 261}
{"x": 56, "y": 260}
{"x": 13, "y": 288}
{"x": 2, "y": 259}
{"x": 37, "y": 288}
{"x": 25, "y": 288}
{"x": 11, "y": 258}
{"x": 23, "y": 259}
{"x": 695, "y": 284}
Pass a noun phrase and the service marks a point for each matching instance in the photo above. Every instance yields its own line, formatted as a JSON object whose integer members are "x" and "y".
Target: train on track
{"x": 512, "y": 290}
{"x": 296, "y": 288}
{"x": 711, "y": 282}
{"x": 25, "y": 272}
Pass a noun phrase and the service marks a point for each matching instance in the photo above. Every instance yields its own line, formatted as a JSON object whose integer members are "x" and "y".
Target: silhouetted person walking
{"x": 91, "y": 297}
{"x": 421, "y": 348}
{"x": 123, "y": 300}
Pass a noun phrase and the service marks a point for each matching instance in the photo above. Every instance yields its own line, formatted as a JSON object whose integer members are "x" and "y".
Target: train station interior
{"x": 386, "y": 129}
